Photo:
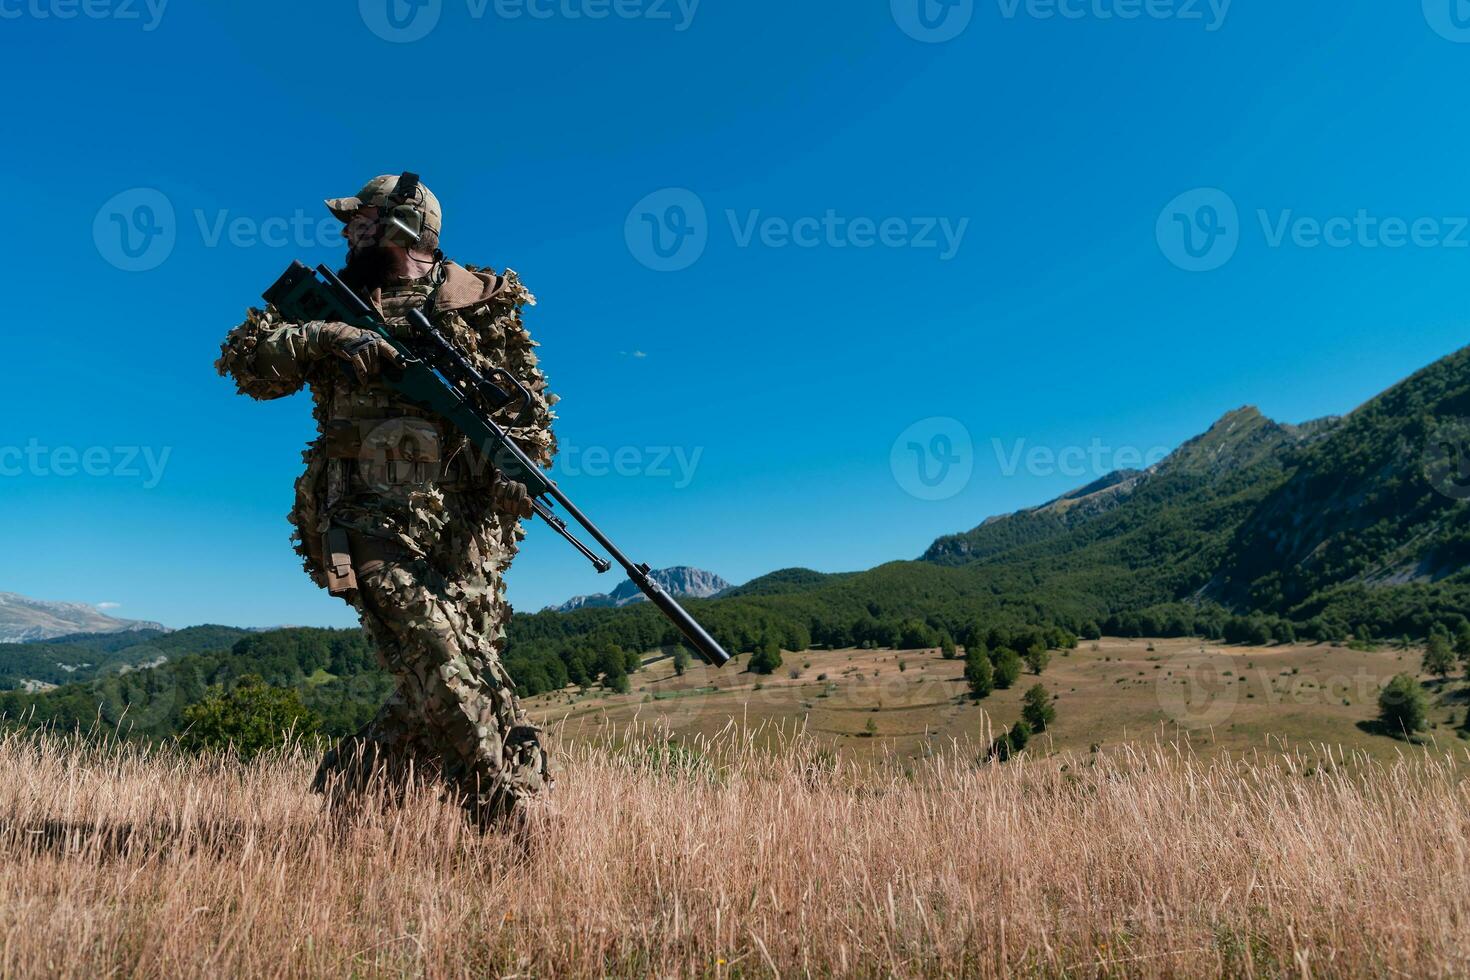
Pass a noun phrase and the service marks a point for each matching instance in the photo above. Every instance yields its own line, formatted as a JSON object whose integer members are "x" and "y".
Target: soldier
{"x": 400, "y": 516}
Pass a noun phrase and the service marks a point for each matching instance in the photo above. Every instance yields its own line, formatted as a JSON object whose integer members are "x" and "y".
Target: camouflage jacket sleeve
{"x": 268, "y": 356}
{"x": 495, "y": 335}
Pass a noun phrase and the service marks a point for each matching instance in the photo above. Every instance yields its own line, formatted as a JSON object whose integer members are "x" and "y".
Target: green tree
{"x": 917, "y": 635}
{"x": 766, "y": 660}
{"x": 1462, "y": 646}
{"x": 1091, "y": 631}
{"x": 615, "y": 677}
{"x": 1038, "y": 710}
{"x": 1438, "y": 657}
{"x": 946, "y": 646}
{"x": 1037, "y": 657}
{"x": 1013, "y": 741}
{"x": 978, "y": 671}
{"x": 1020, "y": 734}
{"x": 681, "y": 660}
{"x": 1007, "y": 669}
{"x": 1402, "y": 706}
{"x": 248, "y": 718}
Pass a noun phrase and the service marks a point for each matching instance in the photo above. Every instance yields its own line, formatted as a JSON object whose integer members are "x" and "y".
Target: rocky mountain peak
{"x": 681, "y": 581}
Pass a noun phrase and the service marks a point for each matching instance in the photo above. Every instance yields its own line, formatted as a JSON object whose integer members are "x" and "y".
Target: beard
{"x": 370, "y": 266}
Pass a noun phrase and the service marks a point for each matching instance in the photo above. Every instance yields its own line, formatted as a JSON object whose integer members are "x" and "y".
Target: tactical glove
{"x": 364, "y": 350}
{"x": 511, "y": 497}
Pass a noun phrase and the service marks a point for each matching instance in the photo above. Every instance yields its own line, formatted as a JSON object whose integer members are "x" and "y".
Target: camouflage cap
{"x": 380, "y": 192}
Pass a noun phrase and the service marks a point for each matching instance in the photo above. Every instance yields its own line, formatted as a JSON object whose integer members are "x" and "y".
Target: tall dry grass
{"x": 125, "y": 861}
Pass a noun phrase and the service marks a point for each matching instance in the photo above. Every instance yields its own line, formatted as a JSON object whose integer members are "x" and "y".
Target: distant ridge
{"x": 26, "y": 620}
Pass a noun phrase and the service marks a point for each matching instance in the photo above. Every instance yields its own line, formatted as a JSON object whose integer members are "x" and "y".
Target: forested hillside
{"x": 333, "y": 670}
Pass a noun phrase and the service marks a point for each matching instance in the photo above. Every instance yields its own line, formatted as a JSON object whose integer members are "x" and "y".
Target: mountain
{"x": 1242, "y": 441}
{"x": 683, "y": 582}
{"x": 1358, "y": 517}
{"x": 23, "y": 619}
{"x": 1380, "y": 501}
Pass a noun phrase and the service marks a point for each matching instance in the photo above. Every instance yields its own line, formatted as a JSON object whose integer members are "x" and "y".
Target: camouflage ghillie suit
{"x": 393, "y": 498}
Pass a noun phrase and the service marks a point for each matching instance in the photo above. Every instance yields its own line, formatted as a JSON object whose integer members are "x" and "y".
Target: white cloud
{"x": 109, "y": 605}
{"x": 635, "y": 353}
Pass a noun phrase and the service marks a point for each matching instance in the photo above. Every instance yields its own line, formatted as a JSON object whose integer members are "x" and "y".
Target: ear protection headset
{"x": 404, "y": 216}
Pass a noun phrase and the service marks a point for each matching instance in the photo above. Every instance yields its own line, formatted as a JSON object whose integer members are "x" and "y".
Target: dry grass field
{"x": 725, "y": 859}
{"x": 1176, "y": 820}
{"x": 1111, "y": 693}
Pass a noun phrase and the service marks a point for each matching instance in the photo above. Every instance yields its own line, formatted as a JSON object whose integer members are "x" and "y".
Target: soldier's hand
{"x": 512, "y": 497}
{"x": 365, "y": 351}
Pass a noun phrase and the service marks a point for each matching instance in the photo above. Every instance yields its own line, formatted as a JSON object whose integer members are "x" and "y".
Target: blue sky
{"x": 913, "y": 267}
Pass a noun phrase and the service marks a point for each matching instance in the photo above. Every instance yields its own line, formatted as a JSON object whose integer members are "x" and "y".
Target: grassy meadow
{"x": 870, "y": 704}
{"x": 725, "y": 859}
{"x": 784, "y": 835}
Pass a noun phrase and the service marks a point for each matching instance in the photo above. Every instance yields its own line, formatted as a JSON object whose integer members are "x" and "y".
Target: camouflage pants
{"x": 454, "y": 714}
